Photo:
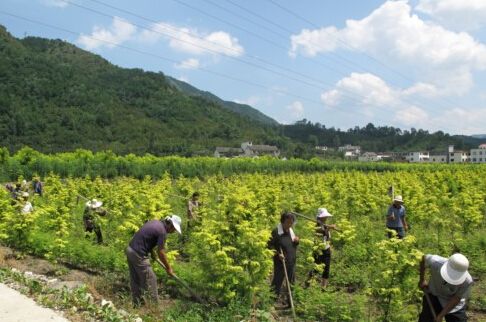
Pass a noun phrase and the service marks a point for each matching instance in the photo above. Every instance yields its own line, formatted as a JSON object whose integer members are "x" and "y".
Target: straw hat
{"x": 398, "y": 199}
{"x": 93, "y": 204}
{"x": 323, "y": 213}
{"x": 176, "y": 222}
{"x": 454, "y": 271}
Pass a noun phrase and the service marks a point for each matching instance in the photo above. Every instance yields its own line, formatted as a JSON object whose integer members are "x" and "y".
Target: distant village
{"x": 352, "y": 152}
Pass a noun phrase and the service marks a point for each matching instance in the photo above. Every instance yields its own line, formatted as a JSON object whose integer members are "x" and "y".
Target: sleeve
{"x": 434, "y": 261}
{"x": 273, "y": 243}
{"x": 161, "y": 241}
{"x": 389, "y": 211}
{"x": 465, "y": 291}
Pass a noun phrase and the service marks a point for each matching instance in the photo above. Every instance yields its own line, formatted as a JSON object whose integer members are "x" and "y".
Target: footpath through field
{"x": 16, "y": 307}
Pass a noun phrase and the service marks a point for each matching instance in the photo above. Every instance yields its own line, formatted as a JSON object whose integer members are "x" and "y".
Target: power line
{"x": 308, "y": 83}
{"x": 319, "y": 84}
{"x": 344, "y": 92}
{"x": 292, "y": 13}
{"x": 114, "y": 44}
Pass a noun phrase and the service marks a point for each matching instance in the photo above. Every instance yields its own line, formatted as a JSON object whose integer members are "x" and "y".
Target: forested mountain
{"x": 56, "y": 97}
{"x": 242, "y": 109}
{"x": 377, "y": 139}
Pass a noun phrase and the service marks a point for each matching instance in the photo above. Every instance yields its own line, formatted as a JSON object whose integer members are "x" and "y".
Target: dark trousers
{"x": 426, "y": 315}
{"x": 400, "y": 232}
{"x": 97, "y": 230}
{"x": 324, "y": 258}
{"x": 279, "y": 274}
{"x": 143, "y": 281}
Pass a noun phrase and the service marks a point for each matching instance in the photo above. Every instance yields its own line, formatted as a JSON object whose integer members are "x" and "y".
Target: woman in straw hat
{"x": 323, "y": 256}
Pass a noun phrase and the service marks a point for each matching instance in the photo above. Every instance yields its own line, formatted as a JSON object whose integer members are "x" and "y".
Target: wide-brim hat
{"x": 176, "y": 222}
{"x": 25, "y": 194}
{"x": 454, "y": 271}
{"x": 323, "y": 213}
{"x": 398, "y": 199}
{"x": 93, "y": 204}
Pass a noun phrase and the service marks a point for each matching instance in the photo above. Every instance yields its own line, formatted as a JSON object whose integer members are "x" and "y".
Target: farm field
{"x": 224, "y": 256}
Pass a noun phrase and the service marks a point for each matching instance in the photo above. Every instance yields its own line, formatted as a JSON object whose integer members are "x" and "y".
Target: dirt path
{"x": 16, "y": 307}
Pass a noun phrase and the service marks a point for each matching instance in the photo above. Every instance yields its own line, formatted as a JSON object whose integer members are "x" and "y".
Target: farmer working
{"x": 395, "y": 218}
{"x": 448, "y": 288}
{"x": 192, "y": 205}
{"x": 323, "y": 256}
{"x": 284, "y": 242}
{"x": 90, "y": 218}
{"x": 142, "y": 277}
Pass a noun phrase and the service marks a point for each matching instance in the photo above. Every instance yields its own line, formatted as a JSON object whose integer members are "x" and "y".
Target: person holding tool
{"x": 90, "y": 218}
{"x": 447, "y": 290}
{"x": 284, "y": 241}
{"x": 395, "y": 218}
{"x": 142, "y": 278}
{"x": 323, "y": 256}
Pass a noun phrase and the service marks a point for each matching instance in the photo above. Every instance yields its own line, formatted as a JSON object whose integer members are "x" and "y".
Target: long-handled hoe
{"x": 184, "y": 284}
{"x": 431, "y": 307}
{"x": 288, "y": 284}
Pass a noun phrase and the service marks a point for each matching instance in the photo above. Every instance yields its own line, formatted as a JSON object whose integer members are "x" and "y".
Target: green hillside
{"x": 57, "y": 97}
{"x": 242, "y": 109}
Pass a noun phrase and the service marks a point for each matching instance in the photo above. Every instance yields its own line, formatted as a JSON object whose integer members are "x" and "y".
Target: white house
{"x": 417, "y": 156}
{"x": 247, "y": 149}
{"x": 478, "y": 155}
{"x": 369, "y": 157}
{"x": 350, "y": 151}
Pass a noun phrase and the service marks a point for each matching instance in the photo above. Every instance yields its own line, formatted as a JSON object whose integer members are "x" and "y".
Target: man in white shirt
{"x": 448, "y": 288}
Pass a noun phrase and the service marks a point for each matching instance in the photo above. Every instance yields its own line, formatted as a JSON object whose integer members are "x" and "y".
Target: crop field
{"x": 224, "y": 257}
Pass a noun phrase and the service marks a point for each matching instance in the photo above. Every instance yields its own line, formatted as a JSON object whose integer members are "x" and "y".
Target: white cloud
{"x": 191, "y": 63}
{"x": 252, "y": 100}
{"x": 455, "y": 14}
{"x": 412, "y": 116}
{"x": 460, "y": 120}
{"x": 183, "y": 78}
{"x": 54, "y": 3}
{"x": 120, "y": 31}
{"x": 190, "y": 40}
{"x": 393, "y": 34}
{"x": 296, "y": 109}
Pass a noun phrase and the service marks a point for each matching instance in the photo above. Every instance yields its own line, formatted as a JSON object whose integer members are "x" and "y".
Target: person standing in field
{"x": 37, "y": 186}
{"x": 395, "y": 218}
{"x": 90, "y": 218}
{"x": 323, "y": 255}
{"x": 24, "y": 204}
{"x": 152, "y": 234}
{"x": 192, "y": 206}
{"x": 448, "y": 288}
{"x": 284, "y": 241}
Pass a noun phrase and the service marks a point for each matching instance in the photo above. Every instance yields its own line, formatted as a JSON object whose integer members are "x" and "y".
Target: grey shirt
{"x": 399, "y": 214}
{"x": 443, "y": 290}
{"x": 153, "y": 233}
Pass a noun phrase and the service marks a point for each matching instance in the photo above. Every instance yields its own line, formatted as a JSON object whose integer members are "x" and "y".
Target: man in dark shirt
{"x": 284, "y": 242}
{"x": 142, "y": 277}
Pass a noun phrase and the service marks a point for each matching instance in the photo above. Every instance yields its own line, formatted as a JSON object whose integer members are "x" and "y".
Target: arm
{"x": 448, "y": 307}
{"x": 422, "y": 283}
{"x": 163, "y": 259}
{"x": 404, "y": 222}
{"x": 390, "y": 215}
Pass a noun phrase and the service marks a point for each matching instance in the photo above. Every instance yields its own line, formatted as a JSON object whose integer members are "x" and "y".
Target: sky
{"x": 408, "y": 64}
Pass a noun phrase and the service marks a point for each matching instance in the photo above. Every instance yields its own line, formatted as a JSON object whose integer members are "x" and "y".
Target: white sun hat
{"x": 93, "y": 204}
{"x": 454, "y": 271}
{"x": 176, "y": 222}
{"x": 398, "y": 199}
{"x": 25, "y": 194}
{"x": 323, "y": 213}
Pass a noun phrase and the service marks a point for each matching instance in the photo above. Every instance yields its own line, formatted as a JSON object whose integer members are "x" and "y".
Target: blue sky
{"x": 345, "y": 63}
